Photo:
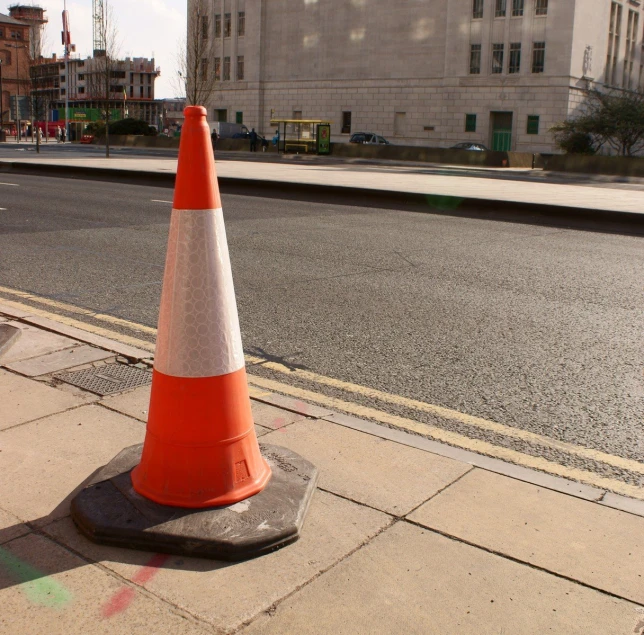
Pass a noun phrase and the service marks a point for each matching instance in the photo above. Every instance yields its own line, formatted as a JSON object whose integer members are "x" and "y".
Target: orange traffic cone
{"x": 200, "y": 446}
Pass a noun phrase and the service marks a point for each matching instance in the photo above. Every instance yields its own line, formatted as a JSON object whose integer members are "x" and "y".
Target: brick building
{"x": 14, "y": 59}
{"x": 425, "y": 72}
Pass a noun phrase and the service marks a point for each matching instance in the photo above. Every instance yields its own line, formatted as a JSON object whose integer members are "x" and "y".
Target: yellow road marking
{"x": 79, "y": 311}
{"x": 356, "y": 409}
{"x": 455, "y": 415}
{"x": 452, "y": 438}
{"x": 90, "y": 328}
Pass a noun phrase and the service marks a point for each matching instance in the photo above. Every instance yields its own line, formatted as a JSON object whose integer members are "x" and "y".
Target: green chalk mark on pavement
{"x": 38, "y": 587}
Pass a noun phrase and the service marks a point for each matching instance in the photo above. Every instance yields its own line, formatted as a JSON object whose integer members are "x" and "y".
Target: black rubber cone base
{"x": 109, "y": 511}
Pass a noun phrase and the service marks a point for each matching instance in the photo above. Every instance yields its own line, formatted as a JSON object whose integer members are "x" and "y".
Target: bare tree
{"x": 198, "y": 76}
{"x": 104, "y": 66}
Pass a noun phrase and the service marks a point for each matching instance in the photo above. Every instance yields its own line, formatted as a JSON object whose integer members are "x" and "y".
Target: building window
{"x": 241, "y": 23}
{"x": 221, "y": 114}
{"x": 541, "y": 7}
{"x": 533, "y": 124}
{"x": 1, "y": 32}
{"x": 81, "y": 78}
{"x": 240, "y": 67}
{"x": 614, "y": 33}
{"x": 346, "y": 122}
{"x": 81, "y": 89}
{"x": 140, "y": 91}
{"x": 475, "y": 59}
{"x": 477, "y": 9}
{"x": 515, "y": 58}
{"x": 226, "y": 69}
{"x": 629, "y": 56}
{"x": 517, "y": 8}
{"x": 62, "y": 92}
{"x": 470, "y": 123}
{"x": 131, "y": 78}
{"x": 228, "y": 24}
{"x": 538, "y": 57}
{"x": 218, "y": 25}
{"x": 217, "y": 69}
{"x": 204, "y": 69}
{"x": 15, "y": 35}
{"x": 131, "y": 91}
{"x": 497, "y": 58}
{"x": 204, "y": 27}
{"x": 501, "y": 7}
{"x": 239, "y": 117}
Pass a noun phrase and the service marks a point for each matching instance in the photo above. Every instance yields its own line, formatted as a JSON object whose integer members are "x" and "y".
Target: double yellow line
{"x": 434, "y": 432}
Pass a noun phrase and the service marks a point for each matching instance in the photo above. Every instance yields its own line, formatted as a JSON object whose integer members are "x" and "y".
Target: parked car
{"x": 472, "y": 147}
{"x": 368, "y": 137}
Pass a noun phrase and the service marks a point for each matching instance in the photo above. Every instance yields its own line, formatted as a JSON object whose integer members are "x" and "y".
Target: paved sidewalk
{"x": 398, "y": 539}
{"x": 413, "y": 180}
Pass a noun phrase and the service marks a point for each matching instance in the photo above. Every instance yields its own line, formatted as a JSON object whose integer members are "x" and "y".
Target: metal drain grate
{"x": 107, "y": 379}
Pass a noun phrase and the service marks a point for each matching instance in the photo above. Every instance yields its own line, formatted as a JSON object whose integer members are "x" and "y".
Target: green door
{"x": 502, "y": 140}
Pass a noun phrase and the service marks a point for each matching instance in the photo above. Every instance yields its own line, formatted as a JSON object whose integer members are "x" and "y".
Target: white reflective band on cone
{"x": 198, "y": 332}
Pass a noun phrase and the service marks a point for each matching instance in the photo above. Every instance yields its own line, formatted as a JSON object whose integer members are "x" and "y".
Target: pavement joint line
{"x": 393, "y": 520}
{"x": 361, "y": 503}
{"x": 439, "y": 434}
{"x": 455, "y": 439}
{"x": 441, "y": 490}
{"x": 52, "y": 414}
{"x": 525, "y": 563}
{"x": 459, "y": 417}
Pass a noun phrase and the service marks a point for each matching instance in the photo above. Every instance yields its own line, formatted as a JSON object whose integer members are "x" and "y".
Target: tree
{"x": 197, "y": 76}
{"x": 614, "y": 119}
{"x": 104, "y": 65}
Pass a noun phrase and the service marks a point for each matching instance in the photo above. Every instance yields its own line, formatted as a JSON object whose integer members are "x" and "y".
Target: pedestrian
{"x": 63, "y": 135}
{"x": 253, "y": 140}
{"x": 214, "y": 137}
{"x": 57, "y": 134}
{"x": 39, "y": 134}
{"x": 276, "y": 138}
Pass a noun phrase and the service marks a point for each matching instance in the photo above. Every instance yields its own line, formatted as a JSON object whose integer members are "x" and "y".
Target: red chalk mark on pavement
{"x": 122, "y": 599}
{"x": 279, "y": 423}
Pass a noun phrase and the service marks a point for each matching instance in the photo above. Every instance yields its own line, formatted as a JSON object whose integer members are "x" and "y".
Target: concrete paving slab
{"x": 25, "y": 400}
{"x": 45, "y": 461}
{"x": 630, "y": 505}
{"x": 408, "y": 580}
{"x": 388, "y": 476}
{"x": 134, "y": 403}
{"x": 34, "y": 342}
{"x": 60, "y": 360}
{"x": 46, "y": 589}
{"x": 585, "y": 541}
{"x": 11, "y": 527}
{"x": 8, "y": 337}
{"x": 12, "y": 312}
{"x": 271, "y": 417}
{"x": 227, "y": 595}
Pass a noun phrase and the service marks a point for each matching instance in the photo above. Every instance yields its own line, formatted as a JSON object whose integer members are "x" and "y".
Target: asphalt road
{"x": 537, "y": 328}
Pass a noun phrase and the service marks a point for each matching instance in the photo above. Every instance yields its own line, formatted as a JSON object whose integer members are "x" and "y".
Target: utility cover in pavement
{"x": 107, "y": 379}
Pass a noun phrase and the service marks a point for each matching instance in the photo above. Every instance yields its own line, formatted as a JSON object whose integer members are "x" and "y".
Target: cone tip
{"x": 194, "y": 112}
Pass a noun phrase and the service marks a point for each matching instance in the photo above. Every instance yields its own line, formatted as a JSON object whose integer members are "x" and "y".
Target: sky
{"x": 146, "y": 28}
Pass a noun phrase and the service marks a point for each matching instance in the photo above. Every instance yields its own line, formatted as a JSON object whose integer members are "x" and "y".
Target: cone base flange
{"x": 109, "y": 511}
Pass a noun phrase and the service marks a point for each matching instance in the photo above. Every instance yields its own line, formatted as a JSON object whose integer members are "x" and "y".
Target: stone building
{"x": 423, "y": 72}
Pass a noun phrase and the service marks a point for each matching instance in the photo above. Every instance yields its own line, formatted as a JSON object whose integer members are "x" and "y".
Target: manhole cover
{"x": 107, "y": 379}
